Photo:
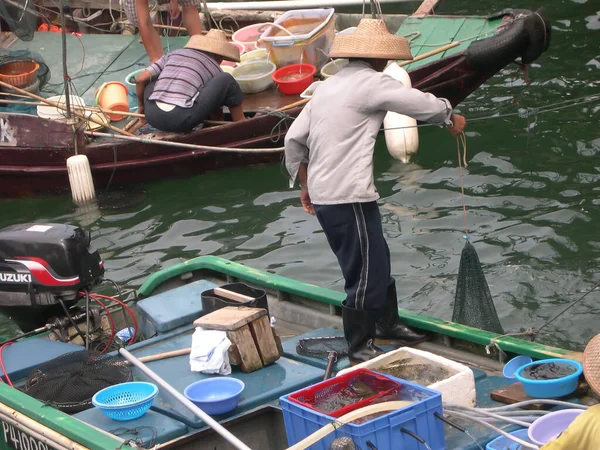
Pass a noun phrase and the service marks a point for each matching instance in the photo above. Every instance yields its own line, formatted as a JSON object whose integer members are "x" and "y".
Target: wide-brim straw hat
{"x": 215, "y": 41}
{"x": 371, "y": 39}
{"x": 591, "y": 363}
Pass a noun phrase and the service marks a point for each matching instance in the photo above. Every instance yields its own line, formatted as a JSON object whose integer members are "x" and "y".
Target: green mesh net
{"x": 473, "y": 304}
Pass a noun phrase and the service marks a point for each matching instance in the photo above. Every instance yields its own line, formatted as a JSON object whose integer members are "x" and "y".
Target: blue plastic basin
{"x": 215, "y": 395}
{"x": 514, "y": 364}
{"x": 504, "y": 443}
{"x": 558, "y": 387}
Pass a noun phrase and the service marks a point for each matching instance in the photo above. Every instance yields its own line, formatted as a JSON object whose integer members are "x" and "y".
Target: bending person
{"x": 187, "y": 86}
{"x": 138, "y": 15}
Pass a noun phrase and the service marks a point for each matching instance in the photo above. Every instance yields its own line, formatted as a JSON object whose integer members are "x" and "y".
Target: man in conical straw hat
{"x": 584, "y": 432}
{"x": 329, "y": 150}
{"x": 185, "y": 87}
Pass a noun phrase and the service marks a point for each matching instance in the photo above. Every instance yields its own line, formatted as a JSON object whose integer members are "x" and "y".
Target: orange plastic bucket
{"x": 113, "y": 96}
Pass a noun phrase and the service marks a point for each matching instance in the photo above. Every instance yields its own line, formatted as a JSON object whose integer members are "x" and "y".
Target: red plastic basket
{"x": 314, "y": 396}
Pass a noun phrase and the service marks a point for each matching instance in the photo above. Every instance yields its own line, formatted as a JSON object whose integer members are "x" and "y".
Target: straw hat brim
{"x": 377, "y": 47}
{"x": 215, "y": 46}
{"x": 591, "y": 363}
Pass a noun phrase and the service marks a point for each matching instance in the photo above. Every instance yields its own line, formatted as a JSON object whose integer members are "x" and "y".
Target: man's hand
{"x": 458, "y": 124}
{"x": 306, "y": 202}
{"x": 174, "y": 9}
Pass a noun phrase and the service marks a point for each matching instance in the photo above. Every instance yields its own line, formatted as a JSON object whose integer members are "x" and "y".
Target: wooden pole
{"x": 171, "y": 354}
{"x": 57, "y": 105}
{"x": 87, "y": 108}
{"x": 64, "y": 63}
{"x": 294, "y": 105}
{"x": 431, "y": 53}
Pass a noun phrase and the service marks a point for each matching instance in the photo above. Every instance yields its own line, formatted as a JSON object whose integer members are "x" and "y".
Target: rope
{"x": 190, "y": 146}
{"x": 462, "y": 140}
{"x": 569, "y": 307}
{"x": 529, "y": 112}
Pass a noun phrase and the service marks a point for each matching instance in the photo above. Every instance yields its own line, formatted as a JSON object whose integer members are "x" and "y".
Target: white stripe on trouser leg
{"x": 363, "y": 238}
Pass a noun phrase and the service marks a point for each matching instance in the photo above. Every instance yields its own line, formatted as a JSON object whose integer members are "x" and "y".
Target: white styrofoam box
{"x": 458, "y": 388}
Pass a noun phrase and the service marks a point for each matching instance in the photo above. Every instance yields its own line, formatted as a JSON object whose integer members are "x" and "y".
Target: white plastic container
{"x": 53, "y": 113}
{"x": 309, "y": 36}
{"x": 309, "y": 91}
{"x": 458, "y": 388}
{"x": 254, "y": 76}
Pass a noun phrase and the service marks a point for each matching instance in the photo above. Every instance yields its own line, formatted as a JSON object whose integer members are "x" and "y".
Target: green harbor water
{"x": 531, "y": 188}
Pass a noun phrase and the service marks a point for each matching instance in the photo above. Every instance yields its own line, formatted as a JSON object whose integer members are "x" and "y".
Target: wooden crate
{"x": 254, "y": 343}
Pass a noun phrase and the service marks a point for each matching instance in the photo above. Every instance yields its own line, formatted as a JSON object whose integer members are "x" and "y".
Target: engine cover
{"x": 46, "y": 260}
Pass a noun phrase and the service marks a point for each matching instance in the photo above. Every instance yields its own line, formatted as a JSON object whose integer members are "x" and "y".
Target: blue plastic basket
{"x": 125, "y": 401}
{"x": 384, "y": 431}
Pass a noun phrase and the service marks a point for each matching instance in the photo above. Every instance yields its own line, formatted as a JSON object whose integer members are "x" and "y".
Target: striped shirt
{"x": 181, "y": 75}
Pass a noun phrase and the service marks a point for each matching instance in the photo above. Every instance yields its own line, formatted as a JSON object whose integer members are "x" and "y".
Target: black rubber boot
{"x": 389, "y": 328}
{"x": 359, "y": 330}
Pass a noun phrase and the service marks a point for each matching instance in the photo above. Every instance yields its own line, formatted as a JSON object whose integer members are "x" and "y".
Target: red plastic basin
{"x": 294, "y": 79}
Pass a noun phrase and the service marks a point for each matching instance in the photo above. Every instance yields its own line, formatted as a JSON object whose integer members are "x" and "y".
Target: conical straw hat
{"x": 370, "y": 40}
{"x": 591, "y": 363}
{"x": 215, "y": 41}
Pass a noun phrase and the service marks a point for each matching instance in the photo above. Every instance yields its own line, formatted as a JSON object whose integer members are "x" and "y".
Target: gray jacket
{"x": 335, "y": 133}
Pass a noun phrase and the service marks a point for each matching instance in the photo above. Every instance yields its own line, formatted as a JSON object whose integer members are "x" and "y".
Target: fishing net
{"x": 70, "y": 381}
{"x": 473, "y": 304}
{"x": 20, "y": 16}
{"x": 321, "y": 347}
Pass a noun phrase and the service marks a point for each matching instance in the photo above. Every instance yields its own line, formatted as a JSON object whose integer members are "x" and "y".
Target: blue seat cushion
{"x": 172, "y": 309}
{"x": 22, "y": 357}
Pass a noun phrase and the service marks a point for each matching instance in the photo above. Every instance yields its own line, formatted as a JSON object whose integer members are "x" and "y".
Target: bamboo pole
{"x": 294, "y": 105}
{"x": 171, "y": 354}
{"x": 87, "y": 108}
{"x": 431, "y": 53}
{"x": 57, "y": 105}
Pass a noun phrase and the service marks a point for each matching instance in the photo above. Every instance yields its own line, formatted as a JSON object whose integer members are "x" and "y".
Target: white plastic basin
{"x": 254, "y": 76}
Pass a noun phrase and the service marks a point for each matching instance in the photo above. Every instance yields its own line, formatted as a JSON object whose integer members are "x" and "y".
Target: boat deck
{"x": 166, "y": 318}
{"x": 428, "y": 33}
{"x": 263, "y": 387}
{"x": 94, "y": 59}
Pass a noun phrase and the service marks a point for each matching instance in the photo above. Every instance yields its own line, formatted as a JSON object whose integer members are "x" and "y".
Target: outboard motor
{"x": 43, "y": 267}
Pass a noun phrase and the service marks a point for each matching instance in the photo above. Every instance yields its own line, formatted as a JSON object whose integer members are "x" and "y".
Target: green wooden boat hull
{"x": 28, "y": 424}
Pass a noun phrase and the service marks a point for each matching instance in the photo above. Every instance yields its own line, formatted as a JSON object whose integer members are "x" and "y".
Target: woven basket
{"x": 19, "y": 73}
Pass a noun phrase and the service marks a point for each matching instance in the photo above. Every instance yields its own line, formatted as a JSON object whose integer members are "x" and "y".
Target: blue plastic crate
{"x": 384, "y": 432}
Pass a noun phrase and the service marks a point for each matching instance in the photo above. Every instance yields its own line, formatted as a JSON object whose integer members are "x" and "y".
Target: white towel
{"x": 209, "y": 352}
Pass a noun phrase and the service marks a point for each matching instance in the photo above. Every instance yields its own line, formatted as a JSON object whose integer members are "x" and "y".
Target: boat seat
{"x": 151, "y": 429}
{"x": 22, "y": 357}
{"x": 172, "y": 309}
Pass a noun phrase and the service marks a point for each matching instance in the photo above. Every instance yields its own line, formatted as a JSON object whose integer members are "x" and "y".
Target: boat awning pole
{"x": 64, "y": 61}
{"x": 284, "y": 5}
{"x": 184, "y": 401}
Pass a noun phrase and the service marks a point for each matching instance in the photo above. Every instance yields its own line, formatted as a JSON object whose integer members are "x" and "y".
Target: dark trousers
{"x": 221, "y": 90}
{"x": 355, "y": 235}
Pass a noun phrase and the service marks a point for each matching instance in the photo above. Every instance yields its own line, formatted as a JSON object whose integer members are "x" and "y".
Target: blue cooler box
{"x": 384, "y": 431}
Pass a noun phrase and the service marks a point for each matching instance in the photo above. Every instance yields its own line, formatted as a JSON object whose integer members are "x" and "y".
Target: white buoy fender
{"x": 401, "y": 132}
{"x": 80, "y": 179}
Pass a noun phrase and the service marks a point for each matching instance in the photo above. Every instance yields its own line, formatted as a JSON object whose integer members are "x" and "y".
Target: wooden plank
{"x": 426, "y": 7}
{"x": 23, "y": 130}
{"x": 235, "y": 296}
{"x": 514, "y": 393}
{"x": 265, "y": 341}
{"x": 229, "y": 318}
{"x": 269, "y": 99}
{"x": 249, "y": 357}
